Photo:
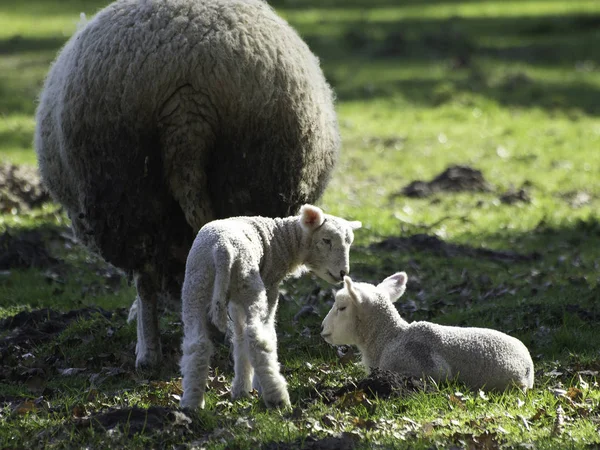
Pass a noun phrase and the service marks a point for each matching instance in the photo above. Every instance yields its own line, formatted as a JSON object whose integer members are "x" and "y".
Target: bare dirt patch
{"x": 130, "y": 421}
{"x": 344, "y": 441}
{"x": 379, "y": 383}
{"x": 453, "y": 179}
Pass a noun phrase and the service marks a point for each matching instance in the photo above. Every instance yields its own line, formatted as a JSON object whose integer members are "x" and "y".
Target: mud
{"x": 386, "y": 384}
{"x": 453, "y": 179}
{"x": 379, "y": 383}
{"x": 344, "y": 441}
{"x": 135, "y": 420}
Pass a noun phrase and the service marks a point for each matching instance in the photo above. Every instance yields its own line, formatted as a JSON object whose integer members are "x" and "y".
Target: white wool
{"x": 234, "y": 268}
{"x": 482, "y": 358}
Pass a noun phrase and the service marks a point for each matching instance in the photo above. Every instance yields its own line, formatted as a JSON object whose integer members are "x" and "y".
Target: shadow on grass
{"x": 464, "y": 48}
{"x": 513, "y": 89}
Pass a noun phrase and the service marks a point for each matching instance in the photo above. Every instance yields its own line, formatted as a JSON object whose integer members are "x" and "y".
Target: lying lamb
{"x": 364, "y": 315}
{"x": 235, "y": 265}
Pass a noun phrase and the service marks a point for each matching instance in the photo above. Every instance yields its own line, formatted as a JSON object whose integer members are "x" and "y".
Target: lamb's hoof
{"x": 237, "y": 393}
{"x": 278, "y": 401}
{"x": 188, "y": 404}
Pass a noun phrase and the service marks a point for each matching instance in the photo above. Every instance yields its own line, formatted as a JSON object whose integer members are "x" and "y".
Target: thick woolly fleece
{"x": 235, "y": 265}
{"x": 479, "y": 357}
{"x": 161, "y": 115}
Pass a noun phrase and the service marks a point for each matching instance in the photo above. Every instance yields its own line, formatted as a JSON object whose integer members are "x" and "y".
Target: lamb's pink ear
{"x": 394, "y": 285}
{"x": 311, "y": 217}
{"x": 355, "y": 224}
{"x": 350, "y": 288}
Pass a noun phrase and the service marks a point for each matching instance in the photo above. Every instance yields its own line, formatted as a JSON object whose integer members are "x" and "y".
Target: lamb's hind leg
{"x": 197, "y": 350}
{"x": 242, "y": 381}
{"x": 147, "y": 349}
{"x": 273, "y": 299}
{"x": 262, "y": 350}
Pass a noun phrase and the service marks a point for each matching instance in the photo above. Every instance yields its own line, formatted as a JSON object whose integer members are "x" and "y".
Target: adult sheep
{"x": 160, "y": 115}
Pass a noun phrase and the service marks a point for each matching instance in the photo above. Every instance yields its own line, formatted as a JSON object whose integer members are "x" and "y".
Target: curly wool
{"x": 160, "y": 115}
{"x": 482, "y": 358}
{"x": 235, "y": 266}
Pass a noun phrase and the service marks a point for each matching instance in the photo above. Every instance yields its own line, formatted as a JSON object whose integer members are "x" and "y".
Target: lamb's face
{"x": 342, "y": 323}
{"x": 329, "y": 254}
{"x": 339, "y": 326}
{"x": 329, "y": 241}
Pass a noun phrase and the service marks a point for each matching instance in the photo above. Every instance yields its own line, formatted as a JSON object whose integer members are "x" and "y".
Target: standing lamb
{"x": 364, "y": 315}
{"x": 161, "y": 115}
{"x": 235, "y": 265}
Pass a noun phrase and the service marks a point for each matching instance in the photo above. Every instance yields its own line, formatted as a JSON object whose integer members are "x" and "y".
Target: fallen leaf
{"x": 575, "y": 394}
{"x": 329, "y": 421}
{"x": 428, "y": 428}
{"x": 367, "y": 424}
{"x": 355, "y": 398}
{"x": 538, "y": 415}
{"x": 456, "y": 401}
{"x": 25, "y": 407}
{"x": 78, "y": 411}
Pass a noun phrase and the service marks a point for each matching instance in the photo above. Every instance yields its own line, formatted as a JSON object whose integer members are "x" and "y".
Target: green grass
{"x": 510, "y": 88}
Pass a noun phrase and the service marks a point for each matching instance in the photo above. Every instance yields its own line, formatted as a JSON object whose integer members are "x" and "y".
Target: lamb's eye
{"x": 327, "y": 241}
{"x": 341, "y": 308}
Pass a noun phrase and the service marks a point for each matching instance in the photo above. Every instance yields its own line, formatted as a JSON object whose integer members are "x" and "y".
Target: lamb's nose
{"x": 322, "y": 327}
{"x": 342, "y": 274}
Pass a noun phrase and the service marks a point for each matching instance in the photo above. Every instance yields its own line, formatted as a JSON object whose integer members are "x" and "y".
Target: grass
{"x": 510, "y": 88}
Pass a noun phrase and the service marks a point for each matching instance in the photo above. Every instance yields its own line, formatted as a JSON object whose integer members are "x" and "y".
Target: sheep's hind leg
{"x": 197, "y": 350}
{"x": 242, "y": 381}
{"x": 262, "y": 350}
{"x": 147, "y": 350}
{"x": 187, "y": 137}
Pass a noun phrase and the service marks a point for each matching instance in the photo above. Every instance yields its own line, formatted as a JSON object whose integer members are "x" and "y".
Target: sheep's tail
{"x": 218, "y": 305}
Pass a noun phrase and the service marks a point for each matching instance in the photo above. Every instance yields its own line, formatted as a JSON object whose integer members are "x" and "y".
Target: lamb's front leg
{"x": 262, "y": 349}
{"x": 147, "y": 349}
{"x": 242, "y": 381}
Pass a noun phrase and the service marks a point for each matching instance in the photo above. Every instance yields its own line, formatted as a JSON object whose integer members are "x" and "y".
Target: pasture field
{"x": 504, "y": 93}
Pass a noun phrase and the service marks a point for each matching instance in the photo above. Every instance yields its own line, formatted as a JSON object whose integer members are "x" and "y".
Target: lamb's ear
{"x": 355, "y": 224}
{"x": 394, "y": 285}
{"x": 311, "y": 217}
{"x": 350, "y": 288}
